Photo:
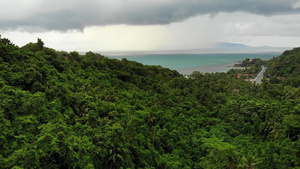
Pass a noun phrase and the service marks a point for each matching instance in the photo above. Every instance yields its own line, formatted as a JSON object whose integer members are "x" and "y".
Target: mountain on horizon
{"x": 230, "y": 45}
{"x": 219, "y": 47}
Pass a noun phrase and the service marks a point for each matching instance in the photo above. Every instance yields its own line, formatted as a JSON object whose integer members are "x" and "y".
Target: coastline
{"x": 208, "y": 69}
{"x": 188, "y": 63}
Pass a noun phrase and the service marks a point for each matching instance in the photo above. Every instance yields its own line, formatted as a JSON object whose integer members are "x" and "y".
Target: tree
{"x": 5, "y": 41}
{"x": 40, "y": 44}
{"x": 292, "y": 126}
{"x": 219, "y": 154}
{"x": 74, "y": 56}
{"x": 249, "y": 162}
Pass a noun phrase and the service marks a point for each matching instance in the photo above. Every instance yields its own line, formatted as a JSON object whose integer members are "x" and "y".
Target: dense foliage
{"x": 251, "y": 62}
{"x": 65, "y": 110}
{"x": 251, "y": 66}
{"x": 285, "y": 69}
{"x": 286, "y": 65}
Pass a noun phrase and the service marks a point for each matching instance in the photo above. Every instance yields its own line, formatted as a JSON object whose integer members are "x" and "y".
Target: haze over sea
{"x": 187, "y": 63}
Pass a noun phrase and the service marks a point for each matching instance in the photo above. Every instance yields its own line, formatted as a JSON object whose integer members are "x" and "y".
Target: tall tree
{"x": 40, "y": 44}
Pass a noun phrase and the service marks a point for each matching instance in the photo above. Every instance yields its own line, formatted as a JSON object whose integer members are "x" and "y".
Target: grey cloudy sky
{"x": 150, "y": 25}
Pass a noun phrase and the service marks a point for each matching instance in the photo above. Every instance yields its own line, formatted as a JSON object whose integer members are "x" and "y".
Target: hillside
{"x": 65, "y": 110}
{"x": 285, "y": 68}
{"x": 285, "y": 65}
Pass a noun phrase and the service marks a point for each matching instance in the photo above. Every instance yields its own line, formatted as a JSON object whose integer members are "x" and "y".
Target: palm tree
{"x": 249, "y": 162}
{"x": 116, "y": 154}
{"x": 151, "y": 118}
{"x": 274, "y": 125}
{"x": 276, "y": 131}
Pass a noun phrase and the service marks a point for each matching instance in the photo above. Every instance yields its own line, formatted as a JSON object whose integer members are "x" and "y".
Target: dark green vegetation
{"x": 285, "y": 69}
{"x": 251, "y": 67}
{"x": 64, "y": 110}
{"x": 254, "y": 62}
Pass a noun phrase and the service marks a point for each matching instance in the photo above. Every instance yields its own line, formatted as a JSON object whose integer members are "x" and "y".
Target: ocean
{"x": 187, "y": 63}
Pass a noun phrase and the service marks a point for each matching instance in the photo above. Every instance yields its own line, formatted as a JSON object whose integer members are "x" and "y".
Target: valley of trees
{"x": 66, "y": 110}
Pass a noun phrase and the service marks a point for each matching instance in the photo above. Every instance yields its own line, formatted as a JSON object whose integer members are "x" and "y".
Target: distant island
{"x": 230, "y": 45}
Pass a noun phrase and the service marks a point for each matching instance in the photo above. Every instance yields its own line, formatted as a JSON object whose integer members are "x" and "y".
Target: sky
{"x": 138, "y": 25}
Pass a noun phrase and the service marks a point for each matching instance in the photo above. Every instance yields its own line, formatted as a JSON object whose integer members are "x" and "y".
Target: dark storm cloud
{"x": 77, "y": 14}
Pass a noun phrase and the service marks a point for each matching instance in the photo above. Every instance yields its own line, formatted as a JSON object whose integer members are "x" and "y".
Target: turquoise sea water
{"x": 187, "y": 63}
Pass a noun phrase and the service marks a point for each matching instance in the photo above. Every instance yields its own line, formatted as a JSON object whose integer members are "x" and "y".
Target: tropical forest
{"x": 69, "y": 110}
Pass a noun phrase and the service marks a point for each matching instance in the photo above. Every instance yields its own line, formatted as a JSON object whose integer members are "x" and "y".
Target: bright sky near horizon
{"x": 133, "y": 25}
